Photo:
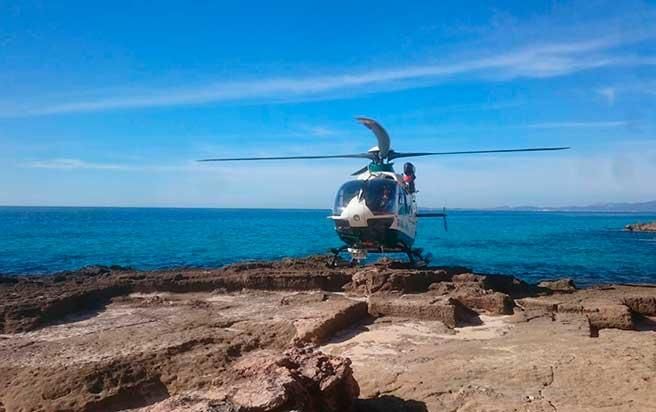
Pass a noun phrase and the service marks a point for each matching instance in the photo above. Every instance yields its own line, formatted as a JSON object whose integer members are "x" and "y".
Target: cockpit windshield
{"x": 380, "y": 195}
{"x": 348, "y": 191}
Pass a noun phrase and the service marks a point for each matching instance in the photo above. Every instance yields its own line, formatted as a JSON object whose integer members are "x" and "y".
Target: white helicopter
{"x": 377, "y": 211}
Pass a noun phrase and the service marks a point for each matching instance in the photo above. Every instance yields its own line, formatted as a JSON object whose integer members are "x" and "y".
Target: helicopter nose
{"x": 357, "y": 216}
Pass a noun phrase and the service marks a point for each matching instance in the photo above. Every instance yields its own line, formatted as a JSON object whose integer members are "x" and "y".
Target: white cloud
{"x": 541, "y": 61}
{"x": 609, "y": 94}
{"x": 316, "y": 131}
{"x": 321, "y": 131}
{"x": 644, "y": 87}
{"x": 563, "y": 125}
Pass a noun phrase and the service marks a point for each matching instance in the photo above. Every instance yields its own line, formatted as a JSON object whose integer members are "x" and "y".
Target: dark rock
{"x": 119, "y": 268}
{"x": 4, "y": 279}
{"x": 94, "y": 270}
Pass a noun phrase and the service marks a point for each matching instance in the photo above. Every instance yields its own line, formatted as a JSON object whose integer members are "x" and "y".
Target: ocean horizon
{"x": 502, "y": 209}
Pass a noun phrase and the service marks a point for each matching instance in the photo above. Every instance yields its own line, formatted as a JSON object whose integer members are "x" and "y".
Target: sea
{"x": 591, "y": 248}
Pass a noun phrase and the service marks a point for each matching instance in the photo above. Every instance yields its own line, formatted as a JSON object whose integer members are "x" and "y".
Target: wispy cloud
{"x": 317, "y": 131}
{"x": 321, "y": 131}
{"x": 79, "y": 164}
{"x": 563, "y": 125}
{"x": 644, "y": 87}
{"x": 71, "y": 164}
{"x": 608, "y": 93}
{"x": 542, "y": 61}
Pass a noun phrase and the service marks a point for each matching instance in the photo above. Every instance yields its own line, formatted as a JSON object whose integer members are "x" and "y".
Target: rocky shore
{"x": 641, "y": 227}
{"x": 297, "y": 335}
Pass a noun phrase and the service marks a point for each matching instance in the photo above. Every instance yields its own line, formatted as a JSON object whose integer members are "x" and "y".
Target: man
{"x": 409, "y": 177}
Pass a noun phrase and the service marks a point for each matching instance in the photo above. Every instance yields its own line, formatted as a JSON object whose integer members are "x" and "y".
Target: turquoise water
{"x": 590, "y": 247}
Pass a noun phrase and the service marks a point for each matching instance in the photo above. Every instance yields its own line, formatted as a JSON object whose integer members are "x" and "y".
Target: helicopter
{"x": 376, "y": 211}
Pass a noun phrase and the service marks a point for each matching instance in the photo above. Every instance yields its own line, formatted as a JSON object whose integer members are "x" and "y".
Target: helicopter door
{"x": 404, "y": 207}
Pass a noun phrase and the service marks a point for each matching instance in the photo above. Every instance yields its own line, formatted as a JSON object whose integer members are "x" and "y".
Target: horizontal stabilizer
{"x": 429, "y": 214}
{"x": 436, "y": 214}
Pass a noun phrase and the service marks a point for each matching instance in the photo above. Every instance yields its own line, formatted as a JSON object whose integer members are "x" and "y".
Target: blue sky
{"x": 111, "y": 105}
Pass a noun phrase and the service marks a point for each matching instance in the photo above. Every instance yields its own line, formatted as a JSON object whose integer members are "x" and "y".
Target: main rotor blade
{"x": 239, "y": 159}
{"x": 395, "y": 155}
{"x": 381, "y": 135}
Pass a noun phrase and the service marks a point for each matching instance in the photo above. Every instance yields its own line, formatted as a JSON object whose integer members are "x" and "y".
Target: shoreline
{"x": 293, "y": 334}
{"x": 93, "y": 269}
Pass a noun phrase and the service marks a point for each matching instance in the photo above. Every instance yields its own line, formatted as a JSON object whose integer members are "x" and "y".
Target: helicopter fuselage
{"x": 376, "y": 212}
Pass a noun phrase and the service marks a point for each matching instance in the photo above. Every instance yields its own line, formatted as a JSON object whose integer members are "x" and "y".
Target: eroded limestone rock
{"x": 445, "y": 309}
{"x": 196, "y": 340}
{"x": 565, "y": 285}
{"x": 302, "y": 379}
{"x": 641, "y": 227}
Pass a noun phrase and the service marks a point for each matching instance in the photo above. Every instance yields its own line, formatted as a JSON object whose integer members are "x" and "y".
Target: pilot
{"x": 385, "y": 198}
{"x": 409, "y": 177}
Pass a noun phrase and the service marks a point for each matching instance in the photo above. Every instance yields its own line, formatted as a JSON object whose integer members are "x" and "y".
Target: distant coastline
{"x": 639, "y": 207}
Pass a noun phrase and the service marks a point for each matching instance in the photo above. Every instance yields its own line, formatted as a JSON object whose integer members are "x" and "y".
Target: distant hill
{"x": 642, "y": 207}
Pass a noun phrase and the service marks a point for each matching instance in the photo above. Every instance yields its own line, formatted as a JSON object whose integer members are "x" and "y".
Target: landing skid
{"x": 336, "y": 252}
{"x": 416, "y": 257}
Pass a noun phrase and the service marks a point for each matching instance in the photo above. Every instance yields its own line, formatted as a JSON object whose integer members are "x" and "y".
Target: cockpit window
{"x": 348, "y": 191}
{"x": 380, "y": 195}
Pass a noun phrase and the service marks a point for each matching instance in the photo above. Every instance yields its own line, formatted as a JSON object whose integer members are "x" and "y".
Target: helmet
{"x": 409, "y": 169}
